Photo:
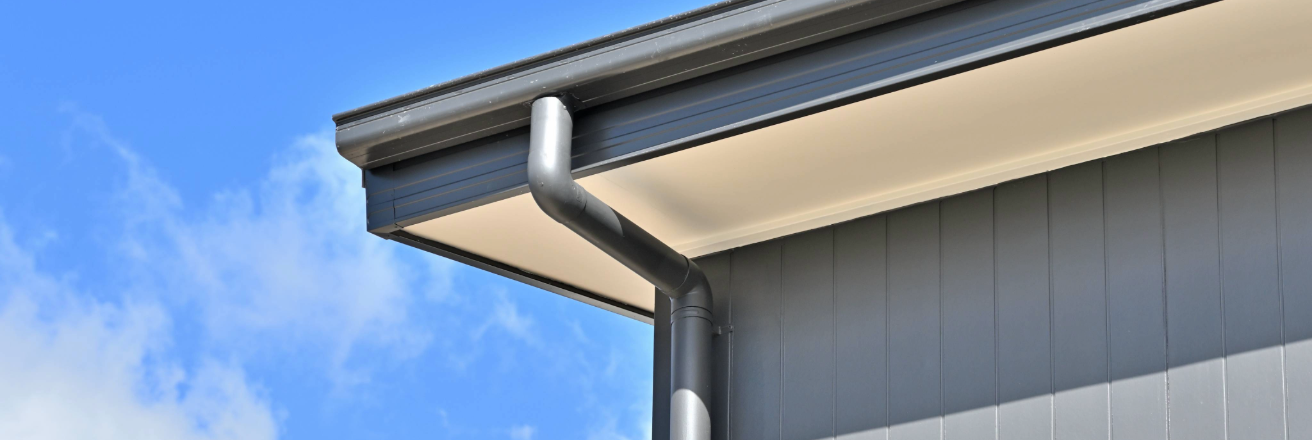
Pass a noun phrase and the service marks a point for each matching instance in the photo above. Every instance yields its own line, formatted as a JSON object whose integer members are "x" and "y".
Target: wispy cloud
{"x": 262, "y": 274}
{"x": 281, "y": 266}
{"x": 523, "y": 432}
{"x": 505, "y": 316}
{"x": 75, "y": 367}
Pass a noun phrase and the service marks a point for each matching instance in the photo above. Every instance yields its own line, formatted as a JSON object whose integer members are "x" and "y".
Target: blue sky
{"x": 183, "y": 255}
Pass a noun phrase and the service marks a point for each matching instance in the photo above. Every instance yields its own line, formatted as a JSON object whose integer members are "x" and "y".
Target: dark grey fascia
{"x": 647, "y": 58}
{"x": 777, "y": 88}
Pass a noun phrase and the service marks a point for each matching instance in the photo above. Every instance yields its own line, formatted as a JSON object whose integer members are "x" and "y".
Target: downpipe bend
{"x": 691, "y": 322}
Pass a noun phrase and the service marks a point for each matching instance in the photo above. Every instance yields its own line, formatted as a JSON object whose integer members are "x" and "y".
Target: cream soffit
{"x": 1135, "y": 87}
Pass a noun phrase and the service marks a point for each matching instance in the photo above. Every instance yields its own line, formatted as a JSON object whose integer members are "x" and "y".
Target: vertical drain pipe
{"x": 676, "y": 276}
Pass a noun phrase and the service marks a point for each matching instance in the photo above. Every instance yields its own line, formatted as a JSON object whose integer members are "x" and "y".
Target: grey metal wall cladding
{"x": 1160, "y": 293}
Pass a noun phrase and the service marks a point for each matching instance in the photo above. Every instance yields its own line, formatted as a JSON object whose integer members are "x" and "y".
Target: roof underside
{"x": 1135, "y": 87}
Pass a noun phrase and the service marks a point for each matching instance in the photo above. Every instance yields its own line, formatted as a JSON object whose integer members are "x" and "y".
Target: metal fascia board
{"x": 608, "y": 72}
{"x": 1102, "y": 19}
{"x": 822, "y": 76}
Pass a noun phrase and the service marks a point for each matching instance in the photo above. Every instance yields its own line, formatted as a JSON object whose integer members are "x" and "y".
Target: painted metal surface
{"x": 1159, "y": 293}
{"x": 492, "y": 165}
{"x": 653, "y": 56}
{"x": 674, "y": 275}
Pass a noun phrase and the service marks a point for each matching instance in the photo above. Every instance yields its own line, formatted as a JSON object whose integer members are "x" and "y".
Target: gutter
{"x": 560, "y": 197}
{"x": 651, "y": 56}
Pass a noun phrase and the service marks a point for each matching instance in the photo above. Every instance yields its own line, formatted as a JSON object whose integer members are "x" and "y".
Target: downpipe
{"x": 564, "y": 200}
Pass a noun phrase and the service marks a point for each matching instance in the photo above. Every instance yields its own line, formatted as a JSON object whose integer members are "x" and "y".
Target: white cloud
{"x": 523, "y": 432}
{"x": 77, "y": 368}
{"x": 283, "y": 266}
{"x": 506, "y": 317}
{"x": 278, "y": 271}
{"x": 606, "y": 428}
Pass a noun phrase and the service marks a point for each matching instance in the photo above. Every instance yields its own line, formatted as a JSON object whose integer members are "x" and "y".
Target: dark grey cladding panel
{"x": 785, "y": 86}
{"x": 809, "y": 359}
{"x": 1079, "y": 306}
{"x": 1136, "y": 297}
{"x": 1293, "y": 184}
{"x": 1250, "y": 281}
{"x": 1164, "y": 290}
{"x": 1196, "y": 345}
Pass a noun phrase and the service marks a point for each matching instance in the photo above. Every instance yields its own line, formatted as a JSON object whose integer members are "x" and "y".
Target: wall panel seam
{"x": 1052, "y": 314}
{"x": 888, "y": 343}
{"x": 1166, "y": 316}
{"x": 1280, "y": 279}
{"x": 728, "y": 388}
{"x": 833, "y": 280}
{"x": 779, "y": 317}
{"x": 942, "y": 411}
{"x": 1220, "y": 276}
{"x": 997, "y": 331}
{"x": 1107, "y": 296}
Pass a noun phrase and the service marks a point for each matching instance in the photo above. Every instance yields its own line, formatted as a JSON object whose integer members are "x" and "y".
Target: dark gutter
{"x": 651, "y": 56}
{"x": 533, "y": 61}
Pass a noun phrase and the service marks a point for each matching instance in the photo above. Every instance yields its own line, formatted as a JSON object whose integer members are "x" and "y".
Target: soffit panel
{"x": 1131, "y": 88}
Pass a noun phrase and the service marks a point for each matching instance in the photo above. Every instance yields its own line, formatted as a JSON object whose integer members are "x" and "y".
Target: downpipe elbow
{"x": 550, "y": 177}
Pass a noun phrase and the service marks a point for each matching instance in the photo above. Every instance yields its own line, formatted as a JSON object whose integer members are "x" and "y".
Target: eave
{"x": 453, "y": 191}
{"x": 596, "y": 72}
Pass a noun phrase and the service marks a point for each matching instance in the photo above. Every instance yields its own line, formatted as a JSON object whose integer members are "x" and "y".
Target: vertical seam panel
{"x": 993, "y": 240}
{"x": 1220, "y": 277}
{"x": 888, "y": 352}
{"x": 833, "y": 306}
{"x": 1166, "y": 323}
{"x": 1107, "y": 296}
{"x": 728, "y": 387}
{"x": 942, "y": 409}
{"x": 1280, "y": 274}
{"x": 1052, "y": 315}
{"x": 781, "y": 340}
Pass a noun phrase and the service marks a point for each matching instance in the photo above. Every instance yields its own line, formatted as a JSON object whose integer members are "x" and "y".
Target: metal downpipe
{"x": 554, "y": 190}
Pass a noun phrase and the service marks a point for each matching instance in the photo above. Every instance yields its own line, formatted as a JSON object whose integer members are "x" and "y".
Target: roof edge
{"x": 605, "y": 70}
{"x": 612, "y": 38}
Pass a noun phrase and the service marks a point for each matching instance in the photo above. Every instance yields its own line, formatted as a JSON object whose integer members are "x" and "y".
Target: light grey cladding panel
{"x": 1136, "y": 298}
{"x": 717, "y": 269}
{"x": 1023, "y": 302}
{"x": 755, "y": 280}
{"x": 969, "y": 388}
{"x": 913, "y": 323}
{"x": 1250, "y": 281}
{"x": 808, "y": 336}
{"x": 1294, "y": 191}
{"x": 1193, "y": 289}
{"x": 861, "y": 324}
{"x": 1079, "y": 303}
